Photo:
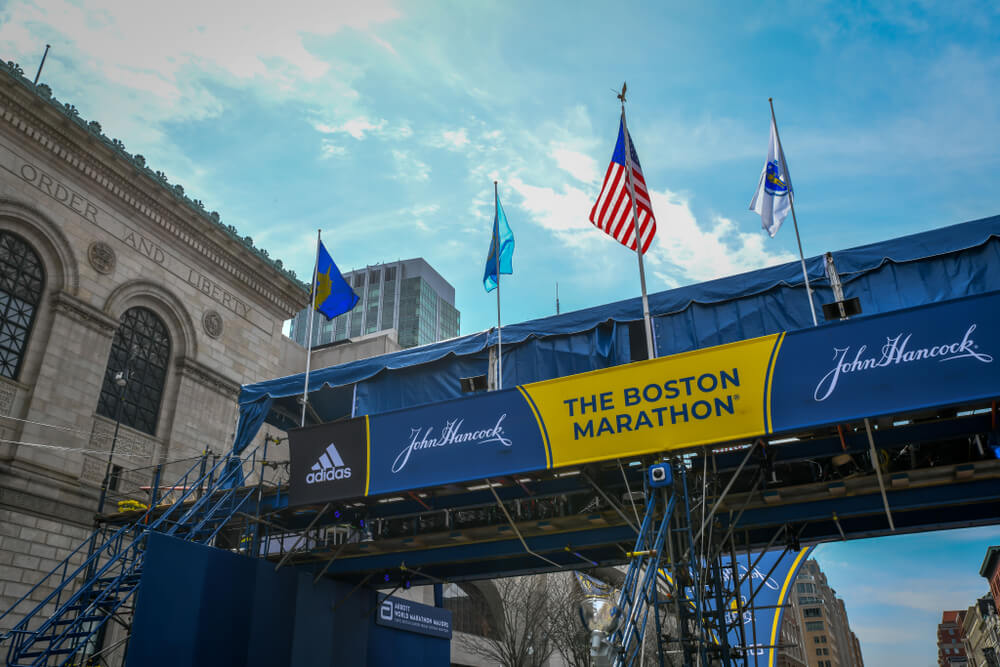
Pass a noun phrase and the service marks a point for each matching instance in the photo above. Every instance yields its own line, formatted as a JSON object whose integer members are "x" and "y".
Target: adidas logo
{"x": 329, "y": 467}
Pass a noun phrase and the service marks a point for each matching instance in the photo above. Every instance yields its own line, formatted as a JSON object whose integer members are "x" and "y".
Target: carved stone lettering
{"x": 93, "y": 469}
{"x": 137, "y": 449}
{"x": 62, "y": 194}
{"x": 218, "y": 293}
{"x": 101, "y": 257}
{"x": 7, "y": 394}
{"x": 144, "y": 245}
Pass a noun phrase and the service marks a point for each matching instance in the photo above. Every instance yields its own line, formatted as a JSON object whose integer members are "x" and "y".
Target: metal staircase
{"x": 66, "y": 627}
{"x": 673, "y": 587}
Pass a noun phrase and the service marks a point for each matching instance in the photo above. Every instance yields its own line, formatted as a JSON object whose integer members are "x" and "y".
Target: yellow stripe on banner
{"x": 541, "y": 426}
{"x": 684, "y": 400}
{"x": 368, "y": 454}
{"x": 768, "y": 424}
{"x": 781, "y": 600}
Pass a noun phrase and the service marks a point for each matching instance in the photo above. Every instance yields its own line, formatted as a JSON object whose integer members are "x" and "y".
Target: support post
{"x": 647, "y": 319}
{"x": 795, "y": 222}
{"x": 878, "y": 473}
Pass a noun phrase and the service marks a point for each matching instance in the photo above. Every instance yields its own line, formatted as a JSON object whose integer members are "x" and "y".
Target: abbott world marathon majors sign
{"x": 892, "y": 363}
{"x": 410, "y": 616}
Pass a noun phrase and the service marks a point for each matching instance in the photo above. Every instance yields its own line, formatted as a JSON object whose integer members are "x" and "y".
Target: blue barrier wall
{"x": 200, "y": 606}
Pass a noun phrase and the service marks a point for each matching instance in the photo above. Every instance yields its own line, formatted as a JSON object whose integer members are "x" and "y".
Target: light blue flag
{"x": 333, "y": 295}
{"x": 505, "y": 238}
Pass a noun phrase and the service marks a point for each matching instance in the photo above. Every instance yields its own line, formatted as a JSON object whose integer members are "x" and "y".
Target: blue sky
{"x": 384, "y": 124}
{"x": 895, "y": 588}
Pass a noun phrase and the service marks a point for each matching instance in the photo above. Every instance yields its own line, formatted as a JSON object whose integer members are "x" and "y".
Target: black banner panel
{"x": 328, "y": 462}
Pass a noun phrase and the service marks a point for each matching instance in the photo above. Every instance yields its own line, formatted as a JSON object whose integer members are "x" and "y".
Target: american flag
{"x": 613, "y": 211}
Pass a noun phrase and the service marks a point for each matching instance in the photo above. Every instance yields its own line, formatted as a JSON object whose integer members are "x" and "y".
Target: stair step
{"x": 54, "y": 651}
{"x": 77, "y": 619}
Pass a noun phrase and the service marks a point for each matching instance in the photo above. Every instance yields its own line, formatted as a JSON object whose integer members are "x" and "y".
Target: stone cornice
{"x": 58, "y": 130}
{"x": 84, "y": 313}
{"x": 205, "y": 376}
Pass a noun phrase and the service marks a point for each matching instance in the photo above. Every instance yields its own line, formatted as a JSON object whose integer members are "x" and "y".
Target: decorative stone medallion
{"x": 212, "y": 322}
{"x": 101, "y": 257}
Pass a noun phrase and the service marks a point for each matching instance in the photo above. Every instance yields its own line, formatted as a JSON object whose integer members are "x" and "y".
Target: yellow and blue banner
{"x": 888, "y": 364}
{"x": 765, "y": 593}
{"x": 333, "y": 295}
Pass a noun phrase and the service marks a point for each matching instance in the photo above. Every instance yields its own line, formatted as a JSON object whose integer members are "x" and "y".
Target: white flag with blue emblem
{"x": 772, "y": 201}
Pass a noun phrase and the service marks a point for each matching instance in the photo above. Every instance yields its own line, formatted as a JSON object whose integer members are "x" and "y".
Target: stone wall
{"x": 112, "y": 235}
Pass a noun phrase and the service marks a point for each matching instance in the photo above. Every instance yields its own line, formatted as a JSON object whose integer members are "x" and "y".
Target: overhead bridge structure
{"x": 783, "y": 417}
{"x": 780, "y": 434}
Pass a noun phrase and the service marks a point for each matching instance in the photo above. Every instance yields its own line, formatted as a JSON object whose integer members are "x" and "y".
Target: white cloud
{"x": 686, "y": 251}
{"x": 329, "y": 149}
{"x": 409, "y": 168}
{"x": 361, "y": 126}
{"x": 451, "y": 139}
{"x": 579, "y": 165}
{"x": 137, "y": 66}
{"x": 356, "y": 127}
{"x": 563, "y": 212}
{"x": 425, "y": 209}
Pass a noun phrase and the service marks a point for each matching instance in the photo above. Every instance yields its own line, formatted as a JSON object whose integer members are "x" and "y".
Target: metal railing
{"x": 204, "y": 498}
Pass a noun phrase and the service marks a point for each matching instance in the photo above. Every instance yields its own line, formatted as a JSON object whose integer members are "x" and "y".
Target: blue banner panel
{"x": 769, "y": 587}
{"x": 411, "y": 616}
{"x": 482, "y": 436}
{"x": 931, "y": 356}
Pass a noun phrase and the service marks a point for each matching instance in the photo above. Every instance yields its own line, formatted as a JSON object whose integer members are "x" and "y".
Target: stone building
{"x": 990, "y": 571}
{"x": 981, "y": 632}
{"x": 827, "y": 637}
{"x": 951, "y": 639}
{"x": 792, "y": 648}
{"x": 105, "y": 269}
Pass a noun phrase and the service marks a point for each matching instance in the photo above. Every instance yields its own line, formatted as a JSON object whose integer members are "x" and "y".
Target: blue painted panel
{"x": 206, "y": 620}
{"x": 770, "y": 587}
{"x": 204, "y": 607}
{"x": 936, "y": 355}
{"x": 481, "y": 436}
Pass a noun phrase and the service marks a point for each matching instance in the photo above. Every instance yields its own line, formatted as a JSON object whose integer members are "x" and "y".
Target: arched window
{"x": 22, "y": 280}
{"x": 140, "y": 350}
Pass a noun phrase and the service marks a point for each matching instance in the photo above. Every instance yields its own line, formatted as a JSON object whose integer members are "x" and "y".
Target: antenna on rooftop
{"x": 557, "y": 298}
{"x": 41, "y": 64}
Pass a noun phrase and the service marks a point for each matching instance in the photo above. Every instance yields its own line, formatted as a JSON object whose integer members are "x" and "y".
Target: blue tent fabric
{"x": 921, "y": 268}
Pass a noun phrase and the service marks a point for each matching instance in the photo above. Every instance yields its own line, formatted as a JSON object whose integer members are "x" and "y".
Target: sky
{"x": 384, "y": 124}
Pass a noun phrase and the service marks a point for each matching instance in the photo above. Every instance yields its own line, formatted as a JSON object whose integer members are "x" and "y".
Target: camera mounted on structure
{"x": 660, "y": 475}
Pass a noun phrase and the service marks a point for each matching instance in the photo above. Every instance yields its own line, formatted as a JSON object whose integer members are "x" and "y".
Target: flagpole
{"x": 650, "y": 349}
{"x": 795, "y": 222}
{"x": 496, "y": 246}
{"x": 312, "y": 309}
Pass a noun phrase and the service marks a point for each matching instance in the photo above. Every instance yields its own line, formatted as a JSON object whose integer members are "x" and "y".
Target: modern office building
{"x": 826, "y": 632}
{"x": 408, "y": 296}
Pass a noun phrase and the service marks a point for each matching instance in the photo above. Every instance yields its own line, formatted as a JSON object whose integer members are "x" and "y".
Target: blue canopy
{"x": 921, "y": 268}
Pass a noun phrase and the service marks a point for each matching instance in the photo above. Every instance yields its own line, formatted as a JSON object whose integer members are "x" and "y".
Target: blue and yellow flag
{"x": 333, "y": 295}
{"x": 505, "y": 238}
